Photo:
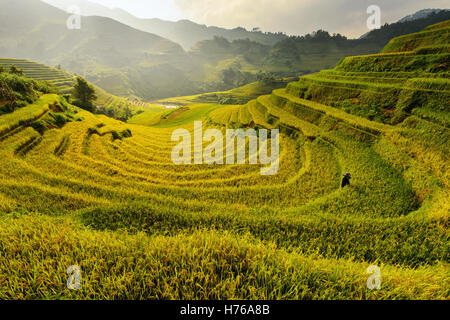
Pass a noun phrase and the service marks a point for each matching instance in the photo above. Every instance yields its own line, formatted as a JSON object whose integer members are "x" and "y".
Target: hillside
{"x": 118, "y": 54}
{"x": 109, "y": 54}
{"x": 184, "y": 32}
{"x": 106, "y": 103}
{"x": 410, "y": 24}
{"x": 183, "y": 110}
{"x": 297, "y": 54}
{"x": 424, "y": 13}
{"x": 410, "y": 76}
{"x": 95, "y": 36}
{"x": 16, "y": 91}
{"x": 60, "y": 79}
{"x": 106, "y": 195}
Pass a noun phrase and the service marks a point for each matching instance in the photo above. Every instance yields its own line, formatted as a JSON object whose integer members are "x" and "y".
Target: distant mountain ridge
{"x": 108, "y": 53}
{"x": 188, "y": 34}
{"x": 133, "y": 63}
{"x": 42, "y": 31}
{"x": 409, "y": 24}
{"x": 421, "y": 14}
{"x": 184, "y": 32}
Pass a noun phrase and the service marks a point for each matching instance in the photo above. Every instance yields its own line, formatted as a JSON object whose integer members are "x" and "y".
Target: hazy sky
{"x": 291, "y": 16}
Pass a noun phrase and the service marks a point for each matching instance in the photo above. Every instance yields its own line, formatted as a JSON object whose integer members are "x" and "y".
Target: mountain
{"x": 133, "y": 63}
{"x": 184, "y": 32}
{"x": 409, "y": 24}
{"x": 421, "y": 14}
{"x": 42, "y": 32}
{"x": 108, "y": 53}
{"x": 298, "y": 55}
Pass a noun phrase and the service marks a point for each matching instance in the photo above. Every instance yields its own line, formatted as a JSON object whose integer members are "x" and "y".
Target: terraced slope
{"x": 89, "y": 173}
{"x": 60, "y": 79}
{"x": 116, "y": 107}
{"x": 106, "y": 196}
{"x": 64, "y": 81}
{"x": 409, "y": 77}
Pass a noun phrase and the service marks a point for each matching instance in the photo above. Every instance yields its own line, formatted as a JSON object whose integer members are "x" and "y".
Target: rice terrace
{"x": 89, "y": 189}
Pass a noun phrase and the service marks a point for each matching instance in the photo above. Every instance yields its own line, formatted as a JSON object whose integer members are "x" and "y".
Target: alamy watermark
{"x": 74, "y": 280}
{"x": 374, "y": 281}
{"x": 74, "y": 20}
{"x": 235, "y": 147}
{"x": 374, "y": 20}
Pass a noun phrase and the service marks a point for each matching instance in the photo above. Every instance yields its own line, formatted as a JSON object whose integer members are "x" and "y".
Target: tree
{"x": 84, "y": 95}
{"x": 8, "y": 97}
{"x": 221, "y": 42}
{"x": 266, "y": 78}
{"x": 14, "y": 70}
{"x": 127, "y": 113}
{"x": 229, "y": 76}
{"x": 2, "y": 69}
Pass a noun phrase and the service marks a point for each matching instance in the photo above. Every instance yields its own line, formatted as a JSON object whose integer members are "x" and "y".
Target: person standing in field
{"x": 346, "y": 180}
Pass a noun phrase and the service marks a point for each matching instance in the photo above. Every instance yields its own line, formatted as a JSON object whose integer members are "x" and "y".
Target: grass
{"x": 206, "y": 265}
{"x": 240, "y": 95}
{"x": 173, "y": 118}
{"x": 437, "y": 35}
{"x": 27, "y": 114}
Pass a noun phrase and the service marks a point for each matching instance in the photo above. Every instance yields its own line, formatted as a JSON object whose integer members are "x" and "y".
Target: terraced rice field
{"x": 60, "y": 79}
{"x": 141, "y": 227}
{"x": 65, "y": 81}
{"x": 409, "y": 76}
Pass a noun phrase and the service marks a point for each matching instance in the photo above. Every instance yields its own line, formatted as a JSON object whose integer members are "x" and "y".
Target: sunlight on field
{"x": 105, "y": 195}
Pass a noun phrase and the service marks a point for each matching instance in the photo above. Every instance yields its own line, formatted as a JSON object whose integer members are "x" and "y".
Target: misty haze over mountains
{"x": 184, "y": 32}
{"x": 188, "y": 33}
{"x": 147, "y": 58}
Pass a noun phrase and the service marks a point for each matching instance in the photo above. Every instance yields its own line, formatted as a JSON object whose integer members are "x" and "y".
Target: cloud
{"x": 299, "y": 16}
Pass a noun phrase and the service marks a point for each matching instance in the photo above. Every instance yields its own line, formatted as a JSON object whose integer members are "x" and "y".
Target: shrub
{"x": 14, "y": 70}
{"x": 84, "y": 95}
{"x": 39, "y": 126}
{"x": 59, "y": 119}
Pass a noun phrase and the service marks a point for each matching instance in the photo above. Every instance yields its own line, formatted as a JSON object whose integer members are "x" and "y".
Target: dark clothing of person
{"x": 346, "y": 181}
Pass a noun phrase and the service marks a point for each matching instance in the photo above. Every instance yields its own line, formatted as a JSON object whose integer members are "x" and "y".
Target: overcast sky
{"x": 291, "y": 16}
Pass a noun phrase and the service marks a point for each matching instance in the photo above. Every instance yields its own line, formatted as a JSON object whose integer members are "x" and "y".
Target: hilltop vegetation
{"x": 17, "y": 91}
{"x": 410, "y": 24}
{"x": 54, "y": 76}
{"x": 302, "y": 54}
